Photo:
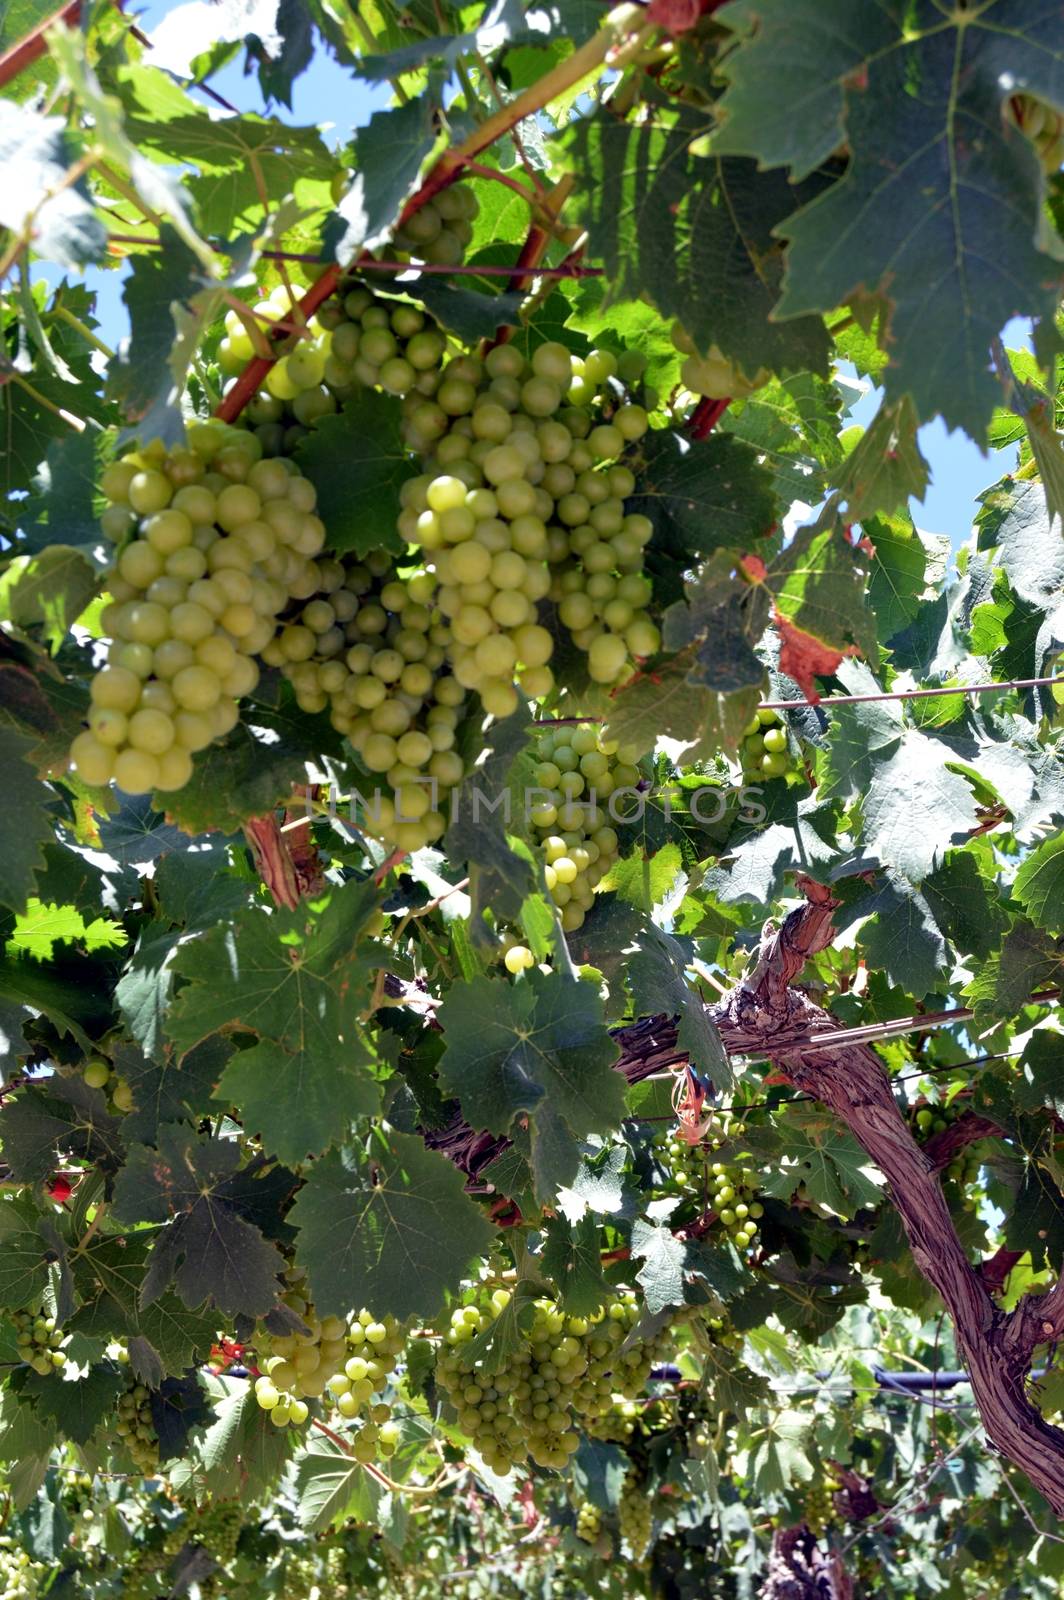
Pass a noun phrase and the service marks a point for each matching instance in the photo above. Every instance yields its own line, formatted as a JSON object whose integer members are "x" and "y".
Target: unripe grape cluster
{"x": 930, "y": 1118}
{"x": 729, "y": 1188}
{"x": 136, "y": 1427}
{"x": 439, "y": 231}
{"x": 635, "y": 1519}
{"x": 579, "y": 770}
{"x": 370, "y": 648}
{"x": 713, "y": 374}
{"x": 566, "y": 1370}
{"x": 344, "y": 1363}
{"x": 1044, "y": 126}
{"x": 765, "y": 753}
{"x": 39, "y": 1341}
{"x": 588, "y": 1522}
{"x": 222, "y": 542}
{"x": 522, "y": 498}
{"x": 20, "y": 1576}
{"x": 819, "y": 1507}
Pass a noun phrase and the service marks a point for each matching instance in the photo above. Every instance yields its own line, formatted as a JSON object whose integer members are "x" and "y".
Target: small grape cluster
{"x": 136, "y": 1427}
{"x": 819, "y": 1508}
{"x": 21, "y": 1578}
{"x": 588, "y": 1522}
{"x": 1044, "y": 126}
{"x": 635, "y": 1518}
{"x": 39, "y": 1341}
{"x": 712, "y": 374}
{"x": 99, "y": 1074}
{"x": 442, "y": 228}
{"x": 566, "y": 1369}
{"x": 730, "y": 1188}
{"x": 221, "y": 543}
{"x": 349, "y": 1362}
{"x": 930, "y": 1118}
{"x": 370, "y": 648}
{"x": 765, "y": 750}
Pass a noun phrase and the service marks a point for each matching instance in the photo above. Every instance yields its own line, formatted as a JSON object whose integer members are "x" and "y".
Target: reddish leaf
{"x": 753, "y": 568}
{"x": 675, "y": 16}
{"x": 804, "y": 657}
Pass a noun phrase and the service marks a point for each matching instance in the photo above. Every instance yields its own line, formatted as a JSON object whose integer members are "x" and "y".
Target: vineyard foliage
{"x": 532, "y": 893}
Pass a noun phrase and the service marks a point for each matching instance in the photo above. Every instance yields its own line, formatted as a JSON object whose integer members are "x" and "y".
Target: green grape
{"x": 21, "y": 1578}
{"x": 713, "y": 374}
{"x": 39, "y": 1341}
{"x": 222, "y": 542}
{"x": 136, "y": 1427}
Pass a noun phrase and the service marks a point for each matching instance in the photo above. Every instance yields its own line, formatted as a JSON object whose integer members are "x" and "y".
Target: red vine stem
{"x": 705, "y": 416}
{"x": 449, "y": 167}
{"x": 34, "y": 45}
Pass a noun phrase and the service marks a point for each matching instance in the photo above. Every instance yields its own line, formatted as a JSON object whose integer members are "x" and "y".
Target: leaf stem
{"x": 59, "y": 310}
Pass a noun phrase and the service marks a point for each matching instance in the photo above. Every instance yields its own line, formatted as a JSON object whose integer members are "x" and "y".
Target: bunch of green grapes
{"x": 588, "y": 1522}
{"x": 765, "y": 751}
{"x": 579, "y": 769}
{"x": 713, "y": 374}
{"x": 348, "y": 1362}
{"x": 21, "y": 1577}
{"x": 819, "y": 1507}
{"x": 441, "y": 229}
{"x": 216, "y": 1527}
{"x": 370, "y": 647}
{"x": 522, "y": 497}
{"x": 219, "y": 542}
{"x": 618, "y": 1422}
{"x": 733, "y": 1187}
{"x": 635, "y": 1519}
{"x": 565, "y": 1370}
{"x": 720, "y": 1332}
{"x": 930, "y": 1118}
{"x": 1044, "y": 126}
{"x": 39, "y": 1341}
{"x": 136, "y": 1427}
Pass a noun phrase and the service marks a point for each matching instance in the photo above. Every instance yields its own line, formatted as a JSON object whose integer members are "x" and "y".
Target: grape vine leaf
{"x": 357, "y": 462}
{"x": 903, "y": 938}
{"x": 76, "y": 1406}
{"x": 692, "y": 231}
{"x": 903, "y": 573}
{"x": 702, "y": 495}
{"x": 754, "y": 867}
{"x": 208, "y": 1250}
{"x": 1039, "y": 884}
{"x": 108, "y": 1273}
{"x": 671, "y": 700}
{"x": 537, "y": 1050}
{"x": 48, "y": 590}
{"x": 41, "y": 926}
{"x": 26, "y": 826}
{"x": 157, "y": 280}
{"x": 572, "y": 1257}
{"x": 235, "y": 778}
{"x": 487, "y": 804}
{"x": 1027, "y": 961}
{"x": 965, "y": 904}
{"x": 168, "y": 1088}
{"x": 393, "y": 1229}
{"x": 60, "y": 1116}
{"x": 37, "y": 152}
{"x": 915, "y": 806}
{"x": 390, "y": 151}
{"x": 23, "y": 1258}
{"x": 678, "y": 1272}
{"x": 296, "y": 980}
{"x": 332, "y": 1487}
{"x": 655, "y": 974}
{"x": 1038, "y": 1080}
{"x": 885, "y": 467}
{"x": 921, "y": 106}
{"x": 469, "y": 313}
{"x": 818, "y": 585}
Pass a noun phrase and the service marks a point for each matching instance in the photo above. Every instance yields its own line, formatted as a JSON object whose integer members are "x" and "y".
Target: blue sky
{"x": 326, "y": 95}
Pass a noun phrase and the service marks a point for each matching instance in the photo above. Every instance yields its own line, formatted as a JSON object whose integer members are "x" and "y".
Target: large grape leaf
{"x": 903, "y": 938}
{"x": 54, "y": 1118}
{"x": 915, "y": 807}
{"x": 674, "y": 702}
{"x": 23, "y": 1256}
{"x": 392, "y": 1229}
{"x": 24, "y": 823}
{"x": 1027, "y": 961}
{"x": 76, "y": 1406}
{"x": 167, "y": 1087}
{"x": 939, "y": 209}
{"x": 356, "y": 460}
{"x": 1039, "y": 885}
{"x": 818, "y": 584}
{"x": 691, "y": 231}
{"x": 332, "y": 1486}
{"x": 536, "y": 1050}
{"x": 108, "y": 1273}
{"x": 48, "y": 590}
{"x": 965, "y": 904}
{"x": 296, "y": 980}
{"x": 655, "y": 974}
{"x": 37, "y": 152}
{"x": 702, "y": 495}
{"x": 572, "y": 1256}
{"x": 815, "y": 1151}
{"x": 208, "y": 1250}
